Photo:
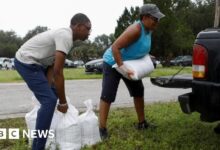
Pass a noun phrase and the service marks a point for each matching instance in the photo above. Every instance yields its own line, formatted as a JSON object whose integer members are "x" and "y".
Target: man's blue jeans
{"x": 35, "y": 77}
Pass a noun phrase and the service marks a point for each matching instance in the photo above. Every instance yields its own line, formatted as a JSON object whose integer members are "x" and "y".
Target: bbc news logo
{"x": 14, "y": 133}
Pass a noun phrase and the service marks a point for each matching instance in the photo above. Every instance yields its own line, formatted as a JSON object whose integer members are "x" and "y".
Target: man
{"x": 40, "y": 62}
{"x": 133, "y": 43}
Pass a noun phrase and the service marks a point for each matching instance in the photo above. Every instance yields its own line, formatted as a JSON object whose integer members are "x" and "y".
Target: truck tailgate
{"x": 178, "y": 81}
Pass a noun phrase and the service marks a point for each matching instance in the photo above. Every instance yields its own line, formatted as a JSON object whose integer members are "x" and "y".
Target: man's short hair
{"x": 79, "y": 18}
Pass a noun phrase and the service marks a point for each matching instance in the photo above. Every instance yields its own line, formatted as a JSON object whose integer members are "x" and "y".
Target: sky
{"x": 24, "y": 15}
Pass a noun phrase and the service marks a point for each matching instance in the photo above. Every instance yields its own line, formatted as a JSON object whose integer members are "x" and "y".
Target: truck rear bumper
{"x": 204, "y": 98}
{"x": 185, "y": 101}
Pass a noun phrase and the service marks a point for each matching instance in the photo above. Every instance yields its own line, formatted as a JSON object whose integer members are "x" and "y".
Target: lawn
{"x": 175, "y": 131}
{"x": 79, "y": 73}
{"x": 70, "y": 74}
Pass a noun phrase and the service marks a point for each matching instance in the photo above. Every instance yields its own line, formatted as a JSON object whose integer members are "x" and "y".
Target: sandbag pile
{"x": 89, "y": 125}
{"x": 72, "y": 131}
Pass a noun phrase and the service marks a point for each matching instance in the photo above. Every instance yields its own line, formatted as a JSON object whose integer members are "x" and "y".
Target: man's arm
{"x": 59, "y": 80}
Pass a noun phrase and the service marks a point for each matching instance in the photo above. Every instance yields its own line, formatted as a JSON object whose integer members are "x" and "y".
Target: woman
{"x": 133, "y": 43}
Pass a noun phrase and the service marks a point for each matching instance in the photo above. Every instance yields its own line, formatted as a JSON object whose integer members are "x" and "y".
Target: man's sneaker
{"x": 144, "y": 125}
{"x": 103, "y": 133}
{"x": 217, "y": 129}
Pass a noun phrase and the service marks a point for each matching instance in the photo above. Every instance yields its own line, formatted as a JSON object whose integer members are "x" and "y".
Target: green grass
{"x": 165, "y": 71}
{"x": 9, "y": 76}
{"x": 70, "y": 74}
{"x": 79, "y": 73}
{"x": 175, "y": 131}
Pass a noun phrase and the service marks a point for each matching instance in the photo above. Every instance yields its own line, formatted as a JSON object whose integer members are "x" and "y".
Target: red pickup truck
{"x": 205, "y": 79}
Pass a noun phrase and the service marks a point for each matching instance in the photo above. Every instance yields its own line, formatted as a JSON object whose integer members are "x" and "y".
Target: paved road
{"x": 15, "y": 98}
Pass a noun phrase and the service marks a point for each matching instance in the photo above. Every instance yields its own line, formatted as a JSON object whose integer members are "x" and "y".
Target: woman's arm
{"x": 129, "y": 36}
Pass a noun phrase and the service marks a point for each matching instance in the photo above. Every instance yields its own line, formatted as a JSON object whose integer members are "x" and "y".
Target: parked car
{"x": 69, "y": 64}
{"x": 12, "y": 63}
{"x": 185, "y": 60}
{"x": 154, "y": 61}
{"x": 175, "y": 61}
{"x": 94, "y": 66}
{"x": 78, "y": 63}
{"x": 5, "y": 63}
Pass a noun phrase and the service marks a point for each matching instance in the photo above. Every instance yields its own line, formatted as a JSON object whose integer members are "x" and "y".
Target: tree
{"x": 9, "y": 43}
{"x": 217, "y": 13}
{"x": 103, "y": 41}
{"x": 176, "y": 32}
{"x": 126, "y": 19}
{"x": 85, "y": 51}
{"x": 174, "y": 35}
{"x": 88, "y": 50}
{"x": 201, "y": 15}
{"x": 34, "y": 32}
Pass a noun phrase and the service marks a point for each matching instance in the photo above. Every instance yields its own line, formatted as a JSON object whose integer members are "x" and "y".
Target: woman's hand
{"x": 125, "y": 71}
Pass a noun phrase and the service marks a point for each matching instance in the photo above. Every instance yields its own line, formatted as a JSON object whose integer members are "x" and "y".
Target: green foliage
{"x": 176, "y": 32}
{"x": 91, "y": 50}
{"x": 174, "y": 36}
{"x": 201, "y": 15}
{"x": 103, "y": 41}
{"x": 34, "y": 32}
{"x": 126, "y": 19}
{"x": 85, "y": 51}
{"x": 9, "y": 43}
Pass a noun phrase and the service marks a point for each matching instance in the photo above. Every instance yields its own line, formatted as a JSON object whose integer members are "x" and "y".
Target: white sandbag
{"x": 141, "y": 67}
{"x": 68, "y": 131}
{"x": 51, "y": 142}
{"x": 89, "y": 125}
{"x": 35, "y": 102}
{"x": 30, "y": 119}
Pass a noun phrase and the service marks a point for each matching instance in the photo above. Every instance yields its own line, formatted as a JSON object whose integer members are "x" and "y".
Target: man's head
{"x": 81, "y": 26}
{"x": 151, "y": 15}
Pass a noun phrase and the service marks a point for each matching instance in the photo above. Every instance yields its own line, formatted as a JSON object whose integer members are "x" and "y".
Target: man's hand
{"x": 125, "y": 71}
{"x": 62, "y": 108}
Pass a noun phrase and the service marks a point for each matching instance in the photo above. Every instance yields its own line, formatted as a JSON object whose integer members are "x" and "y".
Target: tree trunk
{"x": 217, "y": 12}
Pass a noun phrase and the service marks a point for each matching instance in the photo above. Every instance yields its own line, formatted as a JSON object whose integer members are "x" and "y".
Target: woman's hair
{"x": 142, "y": 16}
{"x": 79, "y": 18}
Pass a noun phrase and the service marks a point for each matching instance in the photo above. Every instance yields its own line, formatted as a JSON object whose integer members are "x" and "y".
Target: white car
{"x": 78, "y": 63}
{"x": 5, "y": 63}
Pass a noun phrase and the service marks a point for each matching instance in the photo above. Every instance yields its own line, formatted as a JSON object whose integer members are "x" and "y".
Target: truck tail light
{"x": 200, "y": 59}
